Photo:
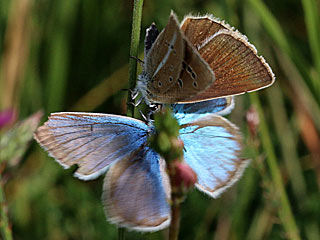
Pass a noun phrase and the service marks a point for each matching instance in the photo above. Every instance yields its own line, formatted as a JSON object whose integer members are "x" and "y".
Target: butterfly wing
{"x": 237, "y": 67}
{"x": 195, "y": 77}
{"x": 173, "y": 70}
{"x": 212, "y": 149}
{"x": 136, "y": 190}
{"x": 199, "y": 29}
{"x": 186, "y": 113}
{"x": 165, "y": 58}
{"x": 92, "y": 141}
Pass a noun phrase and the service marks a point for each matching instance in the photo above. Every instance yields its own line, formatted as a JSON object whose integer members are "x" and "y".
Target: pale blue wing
{"x": 136, "y": 192}
{"x": 212, "y": 149}
{"x": 91, "y": 140}
{"x": 189, "y": 112}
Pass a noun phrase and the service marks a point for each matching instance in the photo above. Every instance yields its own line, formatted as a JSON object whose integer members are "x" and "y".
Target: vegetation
{"x": 73, "y": 56}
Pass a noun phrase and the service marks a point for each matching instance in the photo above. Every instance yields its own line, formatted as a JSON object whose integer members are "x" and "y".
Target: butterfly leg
{"x": 146, "y": 119}
{"x": 134, "y": 93}
{"x": 141, "y": 62}
{"x": 137, "y": 103}
{"x": 153, "y": 108}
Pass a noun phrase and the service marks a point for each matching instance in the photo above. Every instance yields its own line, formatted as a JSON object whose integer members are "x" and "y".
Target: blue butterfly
{"x": 136, "y": 187}
{"x": 188, "y": 112}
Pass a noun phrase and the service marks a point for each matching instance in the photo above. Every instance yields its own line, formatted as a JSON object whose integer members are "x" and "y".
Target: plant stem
{"x": 285, "y": 212}
{"x": 311, "y": 16}
{"x": 5, "y": 230}
{"x": 175, "y": 221}
{"x": 135, "y": 38}
{"x": 121, "y": 233}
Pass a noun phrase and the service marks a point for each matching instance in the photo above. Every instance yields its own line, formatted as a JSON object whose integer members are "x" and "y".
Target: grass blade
{"x": 311, "y": 14}
{"x": 285, "y": 211}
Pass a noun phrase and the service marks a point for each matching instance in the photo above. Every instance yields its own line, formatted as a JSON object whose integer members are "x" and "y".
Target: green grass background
{"x": 73, "y": 56}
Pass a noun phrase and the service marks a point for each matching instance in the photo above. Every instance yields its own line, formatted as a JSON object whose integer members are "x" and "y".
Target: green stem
{"x": 4, "y": 223}
{"x": 121, "y": 233}
{"x": 285, "y": 212}
{"x": 311, "y": 16}
{"x": 177, "y": 197}
{"x": 135, "y": 38}
{"x": 175, "y": 221}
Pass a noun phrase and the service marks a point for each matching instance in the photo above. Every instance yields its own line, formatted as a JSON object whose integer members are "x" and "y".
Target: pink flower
{"x": 6, "y": 117}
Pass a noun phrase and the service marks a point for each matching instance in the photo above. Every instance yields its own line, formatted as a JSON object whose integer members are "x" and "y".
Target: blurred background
{"x": 73, "y": 56}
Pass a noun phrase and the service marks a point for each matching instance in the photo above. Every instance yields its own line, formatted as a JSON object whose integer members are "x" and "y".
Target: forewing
{"x": 91, "y": 140}
{"x": 136, "y": 192}
{"x": 164, "y": 60}
{"x": 174, "y": 69}
{"x": 212, "y": 149}
{"x": 237, "y": 67}
{"x": 196, "y": 76}
{"x": 199, "y": 29}
{"x": 186, "y": 113}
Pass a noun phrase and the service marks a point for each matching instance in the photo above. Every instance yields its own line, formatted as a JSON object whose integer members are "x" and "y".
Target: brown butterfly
{"x": 201, "y": 60}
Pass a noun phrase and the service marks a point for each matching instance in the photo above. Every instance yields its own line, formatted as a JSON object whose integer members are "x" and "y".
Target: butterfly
{"x": 188, "y": 112}
{"x": 136, "y": 187}
{"x": 202, "y": 59}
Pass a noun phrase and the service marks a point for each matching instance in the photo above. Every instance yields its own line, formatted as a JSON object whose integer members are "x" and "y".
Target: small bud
{"x": 164, "y": 142}
{"x": 6, "y": 117}
{"x": 183, "y": 175}
{"x": 177, "y": 143}
{"x": 15, "y": 141}
{"x": 164, "y": 139}
{"x": 253, "y": 121}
